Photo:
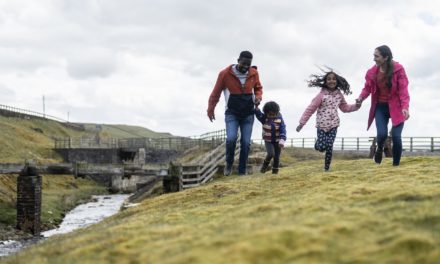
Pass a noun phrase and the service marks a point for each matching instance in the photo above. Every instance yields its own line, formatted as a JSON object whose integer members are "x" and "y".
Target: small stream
{"x": 81, "y": 216}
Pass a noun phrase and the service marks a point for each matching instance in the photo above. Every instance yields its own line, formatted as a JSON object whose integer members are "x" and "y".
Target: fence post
{"x": 291, "y": 142}
{"x": 303, "y": 142}
{"x": 432, "y": 144}
{"x": 342, "y": 147}
{"x": 410, "y": 144}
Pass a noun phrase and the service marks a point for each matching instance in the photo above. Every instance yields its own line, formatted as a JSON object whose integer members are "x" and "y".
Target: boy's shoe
{"x": 378, "y": 156}
{"x": 265, "y": 166}
{"x": 275, "y": 170}
{"x": 227, "y": 170}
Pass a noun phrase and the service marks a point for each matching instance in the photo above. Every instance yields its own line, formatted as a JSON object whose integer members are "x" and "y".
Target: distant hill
{"x": 123, "y": 131}
{"x": 33, "y": 138}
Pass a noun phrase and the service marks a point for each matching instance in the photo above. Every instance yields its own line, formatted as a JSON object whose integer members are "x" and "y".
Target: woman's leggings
{"x": 324, "y": 142}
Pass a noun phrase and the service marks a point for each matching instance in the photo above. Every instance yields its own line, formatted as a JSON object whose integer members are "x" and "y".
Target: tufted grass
{"x": 357, "y": 213}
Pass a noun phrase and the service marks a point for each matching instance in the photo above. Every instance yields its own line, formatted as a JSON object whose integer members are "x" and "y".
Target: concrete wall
{"x": 99, "y": 156}
{"x": 113, "y": 156}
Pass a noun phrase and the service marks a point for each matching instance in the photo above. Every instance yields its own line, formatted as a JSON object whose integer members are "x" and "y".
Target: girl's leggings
{"x": 324, "y": 142}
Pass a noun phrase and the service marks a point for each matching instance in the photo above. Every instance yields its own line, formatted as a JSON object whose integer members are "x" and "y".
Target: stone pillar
{"x": 173, "y": 182}
{"x": 29, "y": 200}
{"x": 142, "y": 156}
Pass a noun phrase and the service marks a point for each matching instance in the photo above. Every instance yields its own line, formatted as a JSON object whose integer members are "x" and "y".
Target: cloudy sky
{"x": 153, "y": 63}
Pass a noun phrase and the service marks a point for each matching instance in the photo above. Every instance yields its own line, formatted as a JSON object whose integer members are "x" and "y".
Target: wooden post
{"x": 29, "y": 200}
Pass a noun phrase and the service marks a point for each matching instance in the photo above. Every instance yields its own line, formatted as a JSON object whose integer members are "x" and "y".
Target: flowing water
{"x": 81, "y": 216}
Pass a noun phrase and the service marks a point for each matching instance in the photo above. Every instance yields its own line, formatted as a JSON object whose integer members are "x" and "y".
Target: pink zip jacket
{"x": 398, "y": 98}
{"x": 327, "y": 103}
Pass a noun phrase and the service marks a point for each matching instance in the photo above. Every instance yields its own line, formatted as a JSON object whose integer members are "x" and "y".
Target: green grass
{"x": 357, "y": 213}
{"x": 61, "y": 193}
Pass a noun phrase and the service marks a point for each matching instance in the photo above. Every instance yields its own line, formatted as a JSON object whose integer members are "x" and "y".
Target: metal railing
{"x": 30, "y": 113}
{"x": 412, "y": 144}
{"x": 19, "y": 112}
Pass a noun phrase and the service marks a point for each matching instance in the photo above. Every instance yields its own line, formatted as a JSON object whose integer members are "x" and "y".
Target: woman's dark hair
{"x": 271, "y": 107}
{"x": 319, "y": 81}
{"x": 385, "y": 51}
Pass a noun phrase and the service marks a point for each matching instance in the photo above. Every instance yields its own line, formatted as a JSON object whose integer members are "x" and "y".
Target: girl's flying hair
{"x": 319, "y": 81}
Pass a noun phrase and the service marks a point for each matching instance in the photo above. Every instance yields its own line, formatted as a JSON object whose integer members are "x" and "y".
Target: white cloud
{"x": 154, "y": 63}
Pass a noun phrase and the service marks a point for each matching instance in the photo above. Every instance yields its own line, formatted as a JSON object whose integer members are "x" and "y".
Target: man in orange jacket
{"x": 240, "y": 84}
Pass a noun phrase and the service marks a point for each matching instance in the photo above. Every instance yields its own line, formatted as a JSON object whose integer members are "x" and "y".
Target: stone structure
{"x": 29, "y": 200}
{"x": 173, "y": 182}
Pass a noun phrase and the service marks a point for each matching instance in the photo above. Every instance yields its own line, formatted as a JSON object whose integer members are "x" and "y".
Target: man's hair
{"x": 271, "y": 107}
{"x": 245, "y": 54}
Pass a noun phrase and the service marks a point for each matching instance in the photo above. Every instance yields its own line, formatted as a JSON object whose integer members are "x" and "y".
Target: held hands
{"x": 257, "y": 101}
{"x": 299, "y": 127}
{"x": 358, "y": 102}
{"x": 405, "y": 112}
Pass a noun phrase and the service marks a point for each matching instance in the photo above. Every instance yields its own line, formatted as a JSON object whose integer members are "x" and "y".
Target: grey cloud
{"x": 89, "y": 65}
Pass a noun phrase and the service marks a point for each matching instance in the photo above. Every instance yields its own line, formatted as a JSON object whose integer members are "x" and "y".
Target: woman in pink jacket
{"x": 388, "y": 85}
{"x": 327, "y": 102}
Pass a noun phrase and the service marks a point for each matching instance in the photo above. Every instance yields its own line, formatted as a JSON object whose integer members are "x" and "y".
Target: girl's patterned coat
{"x": 327, "y": 103}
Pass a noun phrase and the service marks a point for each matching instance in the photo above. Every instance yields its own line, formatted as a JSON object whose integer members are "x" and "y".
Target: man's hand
{"x": 257, "y": 101}
{"x": 211, "y": 115}
{"x": 299, "y": 127}
{"x": 405, "y": 113}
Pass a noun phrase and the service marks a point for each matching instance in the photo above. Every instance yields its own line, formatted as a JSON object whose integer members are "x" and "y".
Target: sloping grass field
{"x": 357, "y": 213}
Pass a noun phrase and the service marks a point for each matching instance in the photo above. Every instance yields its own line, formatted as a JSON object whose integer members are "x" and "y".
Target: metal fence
{"x": 30, "y": 113}
{"x": 412, "y": 144}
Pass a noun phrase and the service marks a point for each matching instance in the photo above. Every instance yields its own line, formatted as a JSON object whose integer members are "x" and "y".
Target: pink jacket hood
{"x": 398, "y": 98}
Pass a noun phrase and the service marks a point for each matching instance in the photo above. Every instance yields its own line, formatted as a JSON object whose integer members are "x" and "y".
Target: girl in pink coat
{"x": 388, "y": 85}
{"x": 327, "y": 102}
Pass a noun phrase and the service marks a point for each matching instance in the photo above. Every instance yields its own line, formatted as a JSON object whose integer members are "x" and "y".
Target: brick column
{"x": 29, "y": 200}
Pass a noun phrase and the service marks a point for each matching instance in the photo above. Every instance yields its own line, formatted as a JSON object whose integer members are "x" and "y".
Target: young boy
{"x": 274, "y": 134}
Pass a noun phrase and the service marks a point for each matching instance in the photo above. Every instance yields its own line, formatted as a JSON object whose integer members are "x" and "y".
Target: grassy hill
{"x": 357, "y": 213}
{"x": 124, "y": 131}
{"x": 22, "y": 139}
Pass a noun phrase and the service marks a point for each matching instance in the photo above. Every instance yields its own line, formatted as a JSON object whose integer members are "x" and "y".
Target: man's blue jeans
{"x": 382, "y": 116}
{"x": 233, "y": 123}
